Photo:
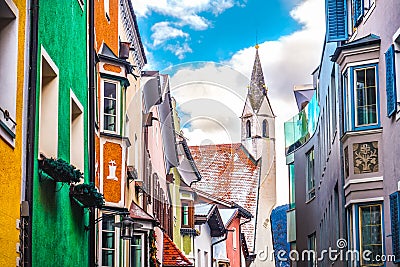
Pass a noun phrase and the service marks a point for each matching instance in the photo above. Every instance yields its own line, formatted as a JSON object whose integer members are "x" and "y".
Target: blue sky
{"x": 229, "y": 31}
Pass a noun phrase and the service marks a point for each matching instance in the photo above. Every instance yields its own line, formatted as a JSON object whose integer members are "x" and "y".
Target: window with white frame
{"x": 310, "y": 174}
{"x": 265, "y": 132}
{"x": 110, "y": 109}
{"x": 108, "y": 252}
{"x": 137, "y": 252}
{"x": 8, "y": 69}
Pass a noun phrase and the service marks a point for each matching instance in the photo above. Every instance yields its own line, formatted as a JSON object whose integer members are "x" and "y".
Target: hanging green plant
{"x": 153, "y": 249}
{"x": 59, "y": 170}
{"x": 86, "y": 195}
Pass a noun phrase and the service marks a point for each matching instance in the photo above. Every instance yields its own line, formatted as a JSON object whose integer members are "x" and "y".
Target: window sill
{"x": 310, "y": 200}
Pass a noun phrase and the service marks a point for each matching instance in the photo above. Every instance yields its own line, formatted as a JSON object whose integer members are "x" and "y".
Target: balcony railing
{"x": 300, "y": 128}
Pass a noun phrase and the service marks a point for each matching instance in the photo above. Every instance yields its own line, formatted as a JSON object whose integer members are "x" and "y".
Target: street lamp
{"x": 127, "y": 227}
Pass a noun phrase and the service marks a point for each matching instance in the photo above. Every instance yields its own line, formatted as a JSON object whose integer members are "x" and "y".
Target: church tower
{"x": 258, "y": 137}
{"x": 258, "y": 119}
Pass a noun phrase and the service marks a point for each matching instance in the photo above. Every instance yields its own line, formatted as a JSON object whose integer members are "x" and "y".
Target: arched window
{"x": 265, "y": 132}
{"x": 248, "y": 129}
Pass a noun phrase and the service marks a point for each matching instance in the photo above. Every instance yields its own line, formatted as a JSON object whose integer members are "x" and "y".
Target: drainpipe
{"x": 240, "y": 239}
{"x": 219, "y": 241}
{"x": 31, "y": 123}
{"x": 92, "y": 152}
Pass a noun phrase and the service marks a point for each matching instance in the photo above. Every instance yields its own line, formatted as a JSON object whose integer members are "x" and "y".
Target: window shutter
{"x": 336, "y": 20}
{"x": 394, "y": 218}
{"x": 358, "y": 10}
{"x": 391, "y": 97}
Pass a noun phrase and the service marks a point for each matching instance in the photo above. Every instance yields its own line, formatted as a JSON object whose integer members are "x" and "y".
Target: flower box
{"x": 59, "y": 171}
{"x": 86, "y": 195}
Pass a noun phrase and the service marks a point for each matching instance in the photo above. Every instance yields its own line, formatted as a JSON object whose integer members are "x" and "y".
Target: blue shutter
{"x": 358, "y": 11}
{"x": 391, "y": 97}
{"x": 336, "y": 21}
{"x": 395, "y": 223}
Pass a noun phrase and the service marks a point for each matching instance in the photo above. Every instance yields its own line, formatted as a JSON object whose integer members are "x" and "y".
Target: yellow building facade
{"x": 12, "y": 77}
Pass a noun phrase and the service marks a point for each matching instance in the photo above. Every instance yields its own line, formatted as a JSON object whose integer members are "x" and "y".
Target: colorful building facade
{"x": 13, "y": 75}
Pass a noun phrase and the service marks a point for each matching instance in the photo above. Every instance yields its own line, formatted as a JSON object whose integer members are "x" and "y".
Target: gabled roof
{"x": 208, "y": 213}
{"x": 229, "y": 173}
{"x": 172, "y": 256}
{"x": 228, "y": 215}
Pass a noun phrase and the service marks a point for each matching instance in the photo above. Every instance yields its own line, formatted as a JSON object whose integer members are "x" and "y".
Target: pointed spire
{"x": 257, "y": 88}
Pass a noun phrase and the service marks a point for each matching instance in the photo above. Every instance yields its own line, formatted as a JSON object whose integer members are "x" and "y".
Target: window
{"x": 265, "y": 129}
{"x": 110, "y": 106}
{"x": 8, "y": 70}
{"x": 108, "y": 241}
{"x": 365, "y": 101}
{"x": 248, "y": 129}
{"x": 310, "y": 175}
{"x": 48, "y": 106}
{"x": 312, "y": 248}
{"x": 187, "y": 214}
{"x": 199, "y": 258}
{"x": 77, "y": 133}
{"x": 361, "y": 98}
{"x": 333, "y": 103}
{"x": 206, "y": 259}
{"x": 234, "y": 239}
{"x": 370, "y": 231}
{"x": 137, "y": 253}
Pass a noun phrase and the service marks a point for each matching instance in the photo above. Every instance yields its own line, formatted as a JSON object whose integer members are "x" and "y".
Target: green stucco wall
{"x": 59, "y": 238}
{"x": 187, "y": 244}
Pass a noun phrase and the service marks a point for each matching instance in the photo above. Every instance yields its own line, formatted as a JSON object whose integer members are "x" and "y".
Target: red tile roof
{"x": 172, "y": 256}
{"x": 229, "y": 172}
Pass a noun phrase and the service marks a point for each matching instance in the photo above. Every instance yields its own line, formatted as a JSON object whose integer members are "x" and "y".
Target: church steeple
{"x": 257, "y": 87}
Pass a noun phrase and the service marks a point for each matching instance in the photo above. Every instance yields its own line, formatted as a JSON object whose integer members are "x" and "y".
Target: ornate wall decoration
{"x": 365, "y": 156}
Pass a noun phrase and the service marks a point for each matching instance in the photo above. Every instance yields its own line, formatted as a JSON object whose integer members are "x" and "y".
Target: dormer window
{"x": 248, "y": 129}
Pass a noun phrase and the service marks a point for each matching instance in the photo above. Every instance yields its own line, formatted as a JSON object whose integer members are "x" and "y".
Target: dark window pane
{"x": 108, "y": 240}
{"x": 109, "y": 106}
{"x": 107, "y": 258}
{"x": 110, "y": 90}
{"x": 371, "y": 77}
{"x": 109, "y": 123}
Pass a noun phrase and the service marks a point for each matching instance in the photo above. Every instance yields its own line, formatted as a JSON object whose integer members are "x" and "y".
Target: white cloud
{"x": 179, "y": 50}
{"x": 287, "y": 61}
{"x": 183, "y": 13}
{"x": 163, "y": 31}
